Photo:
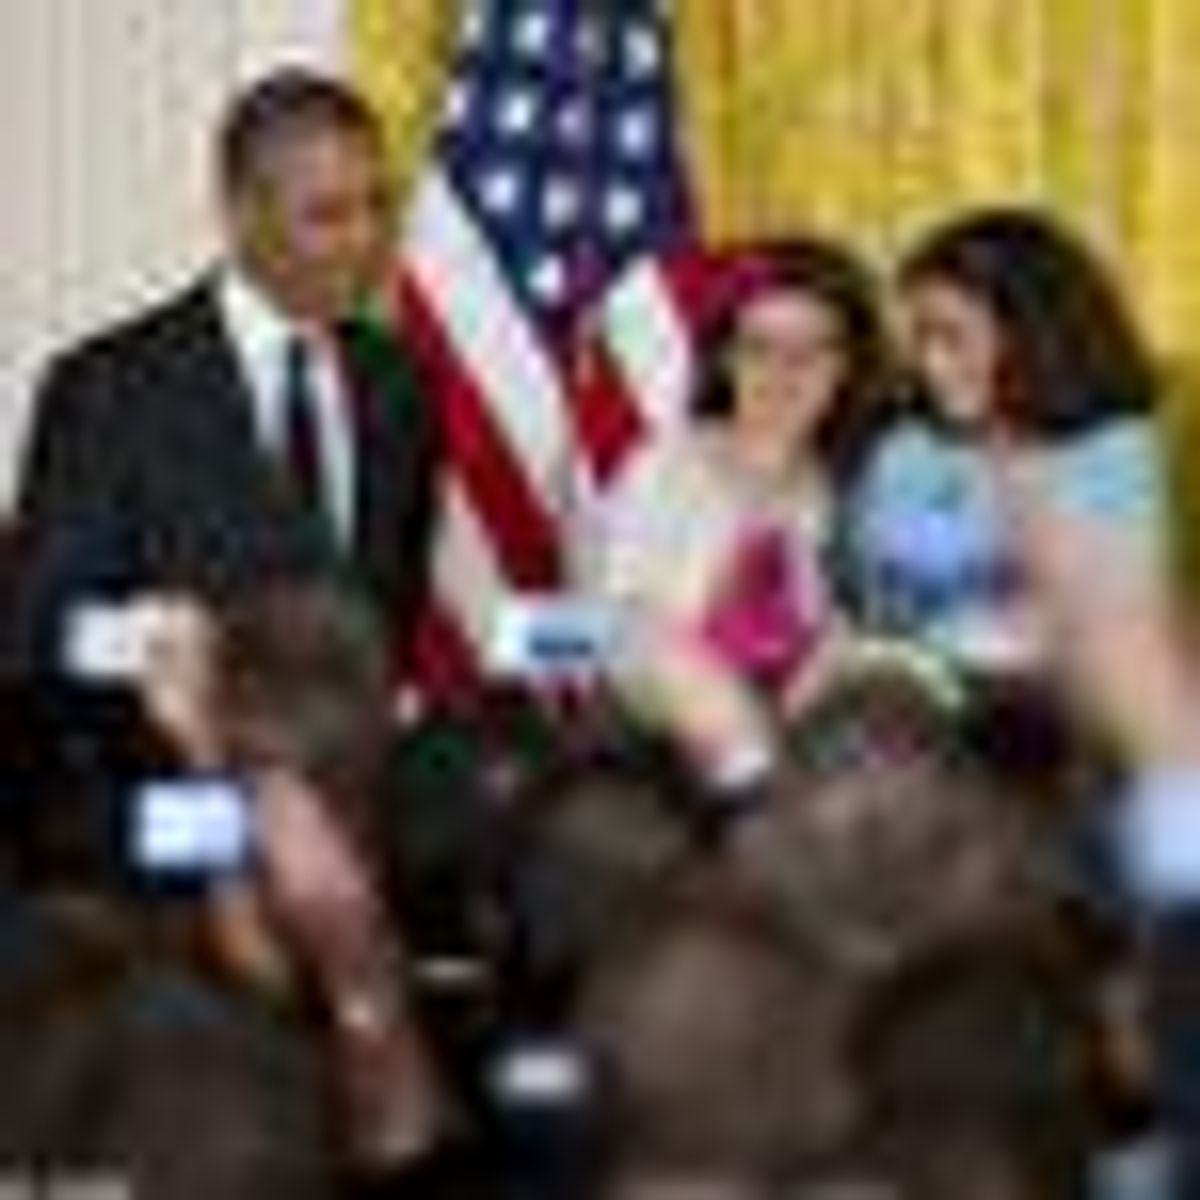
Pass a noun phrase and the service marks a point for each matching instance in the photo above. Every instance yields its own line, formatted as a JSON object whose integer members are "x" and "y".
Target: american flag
{"x": 555, "y": 172}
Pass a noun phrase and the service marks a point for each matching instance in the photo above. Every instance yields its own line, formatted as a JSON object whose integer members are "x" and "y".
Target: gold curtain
{"x": 875, "y": 116}
{"x": 399, "y": 50}
{"x": 872, "y": 117}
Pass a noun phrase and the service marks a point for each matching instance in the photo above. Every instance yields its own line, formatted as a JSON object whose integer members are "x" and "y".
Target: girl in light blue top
{"x": 1038, "y": 395}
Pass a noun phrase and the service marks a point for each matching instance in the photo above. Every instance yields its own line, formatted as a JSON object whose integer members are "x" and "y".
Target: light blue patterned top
{"x": 926, "y": 544}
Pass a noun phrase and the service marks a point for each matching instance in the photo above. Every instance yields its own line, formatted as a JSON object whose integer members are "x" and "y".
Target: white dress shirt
{"x": 260, "y": 334}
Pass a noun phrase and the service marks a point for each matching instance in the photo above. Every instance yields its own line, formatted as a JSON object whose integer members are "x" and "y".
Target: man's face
{"x": 313, "y": 223}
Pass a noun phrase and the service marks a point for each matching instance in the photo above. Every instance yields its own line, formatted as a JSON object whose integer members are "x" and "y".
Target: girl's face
{"x": 788, "y": 364}
{"x": 953, "y": 342}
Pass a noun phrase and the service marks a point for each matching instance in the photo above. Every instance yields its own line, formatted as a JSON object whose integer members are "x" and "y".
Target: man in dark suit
{"x": 255, "y": 425}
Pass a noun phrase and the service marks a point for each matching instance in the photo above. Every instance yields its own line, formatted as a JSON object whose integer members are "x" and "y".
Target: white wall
{"x": 108, "y": 105}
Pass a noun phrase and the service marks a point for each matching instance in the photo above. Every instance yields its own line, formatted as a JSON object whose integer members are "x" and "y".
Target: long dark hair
{"x": 1072, "y": 357}
{"x": 835, "y": 278}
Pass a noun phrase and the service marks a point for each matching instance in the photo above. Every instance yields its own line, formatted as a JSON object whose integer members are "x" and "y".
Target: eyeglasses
{"x": 785, "y": 353}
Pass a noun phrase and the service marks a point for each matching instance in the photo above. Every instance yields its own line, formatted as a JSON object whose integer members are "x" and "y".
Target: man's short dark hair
{"x": 290, "y": 102}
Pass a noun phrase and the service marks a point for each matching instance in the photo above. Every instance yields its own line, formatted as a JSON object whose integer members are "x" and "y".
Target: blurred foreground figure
{"x": 1125, "y": 648}
{"x": 717, "y": 537}
{"x": 848, "y": 996}
{"x": 274, "y": 988}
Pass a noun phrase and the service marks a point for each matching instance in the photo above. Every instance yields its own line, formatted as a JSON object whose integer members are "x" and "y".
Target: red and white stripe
{"x": 530, "y": 436}
{"x": 505, "y": 425}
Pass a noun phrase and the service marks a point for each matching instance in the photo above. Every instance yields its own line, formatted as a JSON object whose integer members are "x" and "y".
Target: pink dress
{"x": 690, "y": 551}
{"x": 768, "y": 613}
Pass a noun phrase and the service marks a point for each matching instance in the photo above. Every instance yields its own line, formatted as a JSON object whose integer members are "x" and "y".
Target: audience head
{"x": 1013, "y": 322}
{"x": 968, "y": 1075}
{"x": 290, "y": 673}
{"x": 744, "y": 997}
{"x": 722, "y": 1049}
{"x": 798, "y": 354}
{"x": 131, "y": 1071}
{"x": 303, "y": 711}
{"x": 305, "y": 192}
{"x": 595, "y": 854}
{"x": 301, "y": 682}
{"x": 883, "y": 835}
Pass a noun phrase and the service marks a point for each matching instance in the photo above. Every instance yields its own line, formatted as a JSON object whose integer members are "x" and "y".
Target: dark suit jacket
{"x": 143, "y": 465}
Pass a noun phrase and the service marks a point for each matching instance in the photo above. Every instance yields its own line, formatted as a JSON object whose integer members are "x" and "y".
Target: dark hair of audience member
{"x": 721, "y": 1047}
{"x": 130, "y": 1071}
{"x": 968, "y": 1067}
{"x": 302, "y": 680}
{"x": 303, "y": 688}
{"x": 587, "y": 857}
{"x": 747, "y": 1041}
{"x": 883, "y": 833}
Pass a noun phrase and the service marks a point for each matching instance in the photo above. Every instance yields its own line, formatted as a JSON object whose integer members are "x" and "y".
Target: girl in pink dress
{"x": 716, "y": 538}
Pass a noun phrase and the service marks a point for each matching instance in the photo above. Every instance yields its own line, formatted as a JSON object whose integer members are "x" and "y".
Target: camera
{"x": 189, "y": 828}
{"x": 106, "y": 643}
{"x": 548, "y": 1074}
{"x": 92, "y": 794}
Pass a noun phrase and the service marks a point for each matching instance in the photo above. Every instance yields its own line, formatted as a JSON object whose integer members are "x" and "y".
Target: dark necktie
{"x": 301, "y": 430}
